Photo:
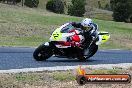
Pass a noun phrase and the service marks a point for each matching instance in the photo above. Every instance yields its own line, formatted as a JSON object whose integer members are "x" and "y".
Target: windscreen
{"x": 66, "y": 28}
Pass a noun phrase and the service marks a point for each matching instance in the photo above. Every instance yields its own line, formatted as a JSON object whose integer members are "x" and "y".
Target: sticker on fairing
{"x": 57, "y": 35}
{"x": 105, "y": 38}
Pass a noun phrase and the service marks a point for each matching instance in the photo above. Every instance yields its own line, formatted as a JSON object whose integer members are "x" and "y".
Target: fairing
{"x": 103, "y": 37}
{"x": 61, "y": 33}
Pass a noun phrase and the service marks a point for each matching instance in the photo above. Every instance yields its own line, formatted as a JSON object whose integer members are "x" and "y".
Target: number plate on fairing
{"x": 103, "y": 37}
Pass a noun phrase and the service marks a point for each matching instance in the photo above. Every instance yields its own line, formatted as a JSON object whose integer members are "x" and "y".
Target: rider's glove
{"x": 93, "y": 38}
{"x": 69, "y": 39}
{"x": 81, "y": 33}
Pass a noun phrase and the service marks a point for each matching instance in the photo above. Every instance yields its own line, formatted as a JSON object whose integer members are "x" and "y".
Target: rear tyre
{"x": 42, "y": 53}
{"x": 93, "y": 49}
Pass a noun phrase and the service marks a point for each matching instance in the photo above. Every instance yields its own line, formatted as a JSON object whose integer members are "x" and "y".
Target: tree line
{"x": 10, "y": 1}
{"x": 122, "y": 9}
{"x": 29, "y": 3}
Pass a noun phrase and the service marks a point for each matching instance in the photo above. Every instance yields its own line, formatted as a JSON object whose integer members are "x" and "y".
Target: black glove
{"x": 69, "y": 39}
{"x": 93, "y": 38}
{"x": 81, "y": 33}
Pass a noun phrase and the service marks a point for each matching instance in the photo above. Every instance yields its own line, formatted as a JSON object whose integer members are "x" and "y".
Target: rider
{"x": 88, "y": 29}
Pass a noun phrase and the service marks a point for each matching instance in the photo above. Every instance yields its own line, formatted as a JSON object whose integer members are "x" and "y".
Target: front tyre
{"x": 42, "y": 53}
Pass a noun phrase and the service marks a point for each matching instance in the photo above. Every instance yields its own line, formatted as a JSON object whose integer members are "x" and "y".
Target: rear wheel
{"x": 42, "y": 53}
{"x": 93, "y": 49}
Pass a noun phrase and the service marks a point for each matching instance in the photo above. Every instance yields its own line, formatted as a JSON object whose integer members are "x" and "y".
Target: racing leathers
{"x": 91, "y": 34}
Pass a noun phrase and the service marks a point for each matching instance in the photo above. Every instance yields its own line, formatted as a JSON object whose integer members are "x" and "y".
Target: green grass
{"x": 50, "y": 79}
{"x": 111, "y": 71}
{"x": 34, "y": 79}
{"x": 94, "y": 3}
{"x": 103, "y": 16}
{"x": 55, "y": 79}
{"x": 31, "y": 27}
{"x": 27, "y": 77}
{"x": 63, "y": 76}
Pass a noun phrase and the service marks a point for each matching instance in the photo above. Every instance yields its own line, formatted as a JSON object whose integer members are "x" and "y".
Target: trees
{"x": 10, "y": 1}
{"x": 77, "y": 8}
{"x": 56, "y": 6}
{"x": 31, "y": 3}
{"x": 122, "y": 10}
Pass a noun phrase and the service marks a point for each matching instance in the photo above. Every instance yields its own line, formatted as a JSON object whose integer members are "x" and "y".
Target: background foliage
{"x": 122, "y": 10}
{"x": 31, "y": 3}
{"x": 56, "y": 6}
{"x": 77, "y": 8}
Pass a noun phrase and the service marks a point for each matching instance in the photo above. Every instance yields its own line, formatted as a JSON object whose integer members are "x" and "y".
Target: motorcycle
{"x": 60, "y": 45}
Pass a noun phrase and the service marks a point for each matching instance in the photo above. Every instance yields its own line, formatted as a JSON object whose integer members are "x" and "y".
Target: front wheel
{"x": 42, "y": 53}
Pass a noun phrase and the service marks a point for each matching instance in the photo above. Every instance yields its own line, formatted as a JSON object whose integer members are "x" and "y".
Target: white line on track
{"x": 57, "y": 68}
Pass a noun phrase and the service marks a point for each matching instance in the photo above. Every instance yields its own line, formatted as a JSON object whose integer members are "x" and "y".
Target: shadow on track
{"x": 71, "y": 61}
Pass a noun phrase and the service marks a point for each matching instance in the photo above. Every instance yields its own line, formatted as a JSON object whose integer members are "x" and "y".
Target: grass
{"x": 110, "y": 71}
{"x": 27, "y": 78}
{"x": 63, "y": 76}
{"x": 104, "y": 16}
{"x": 46, "y": 79}
{"x": 21, "y": 80}
{"x": 31, "y": 27}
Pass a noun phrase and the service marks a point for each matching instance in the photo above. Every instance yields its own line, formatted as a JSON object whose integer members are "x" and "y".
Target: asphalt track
{"x": 21, "y": 58}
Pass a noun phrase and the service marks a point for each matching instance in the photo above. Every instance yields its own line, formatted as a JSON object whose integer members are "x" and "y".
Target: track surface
{"x": 19, "y": 58}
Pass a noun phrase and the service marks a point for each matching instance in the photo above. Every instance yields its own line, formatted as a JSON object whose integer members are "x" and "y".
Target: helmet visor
{"x": 86, "y": 28}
